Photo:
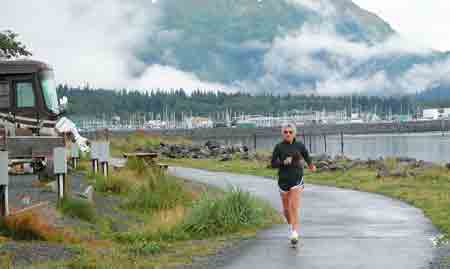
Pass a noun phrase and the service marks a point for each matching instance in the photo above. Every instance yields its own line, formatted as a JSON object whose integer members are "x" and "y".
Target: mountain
{"x": 290, "y": 46}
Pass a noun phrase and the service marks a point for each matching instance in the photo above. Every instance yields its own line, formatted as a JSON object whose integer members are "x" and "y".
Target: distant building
{"x": 198, "y": 122}
{"x": 436, "y": 113}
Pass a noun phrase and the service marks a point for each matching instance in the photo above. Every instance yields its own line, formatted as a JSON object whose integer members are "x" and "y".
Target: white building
{"x": 198, "y": 122}
{"x": 436, "y": 113}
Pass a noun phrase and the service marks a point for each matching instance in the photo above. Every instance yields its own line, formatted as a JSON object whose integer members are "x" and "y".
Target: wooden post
{"x": 104, "y": 155}
{"x": 325, "y": 142}
{"x": 254, "y": 141}
{"x": 4, "y": 181}
{"x": 342, "y": 143}
{"x": 60, "y": 170}
{"x": 75, "y": 152}
{"x": 94, "y": 157}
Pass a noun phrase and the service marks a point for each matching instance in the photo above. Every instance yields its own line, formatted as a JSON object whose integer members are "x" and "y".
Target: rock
{"x": 212, "y": 145}
{"x": 424, "y": 165}
{"x": 336, "y": 167}
{"x": 226, "y": 157}
{"x": 322, "y": 164}
{"x": 340, "y": 157}
{"x": 87, "y": 194}
{"x": 52, "y": 186}
{"x": 356, "y": 163}
{"x": 195, "y": 149}
{"x": 399, "y": 173}
{"x": 323, "y": 168}
{"x": 382, "y": 173}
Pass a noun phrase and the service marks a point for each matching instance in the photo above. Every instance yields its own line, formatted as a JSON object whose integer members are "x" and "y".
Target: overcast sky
{"x": 423, "y": 21}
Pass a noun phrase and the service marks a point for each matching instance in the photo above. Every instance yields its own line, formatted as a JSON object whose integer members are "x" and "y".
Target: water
{"x": 433, "y": 147}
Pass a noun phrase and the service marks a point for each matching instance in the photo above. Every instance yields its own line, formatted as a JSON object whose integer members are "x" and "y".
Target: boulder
{"x": 226, "y": 157}
{"x": 424, "y": 165}
{"x": 322, "y": 164}
{"x": 382, "y": 173}
{"x": 212, "y": 144}
{"x": 336, "y": 167}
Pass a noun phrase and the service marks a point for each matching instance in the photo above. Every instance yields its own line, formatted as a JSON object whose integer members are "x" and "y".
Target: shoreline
{"x": 310, "y": 130}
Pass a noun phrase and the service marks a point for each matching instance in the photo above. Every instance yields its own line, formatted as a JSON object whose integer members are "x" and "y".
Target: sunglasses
{"x": 288, "y": 132}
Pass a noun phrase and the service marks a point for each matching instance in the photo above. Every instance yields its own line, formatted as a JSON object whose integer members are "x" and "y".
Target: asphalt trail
{"x": 340, "y": 229}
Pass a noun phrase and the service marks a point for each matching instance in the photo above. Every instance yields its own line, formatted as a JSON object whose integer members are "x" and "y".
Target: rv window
{"x": 24, "y": 95}
{"x": 4, "y": 94}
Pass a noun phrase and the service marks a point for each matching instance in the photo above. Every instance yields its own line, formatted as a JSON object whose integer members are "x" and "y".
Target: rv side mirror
{"x": 63, "y": 104}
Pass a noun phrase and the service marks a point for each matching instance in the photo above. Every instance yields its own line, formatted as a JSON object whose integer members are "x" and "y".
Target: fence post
{"x": 342, "y": 143}
{"x": 4, "y": 181}
{"x": 325, "y": 142}
{"x": 310, "y": 142}
{"x": 60, "y": 170}
{"x": 254, "y": 141}
{"x": 104, "y": 154}
{"x": 75, "y": 154}
{"x": 94, "y": 157}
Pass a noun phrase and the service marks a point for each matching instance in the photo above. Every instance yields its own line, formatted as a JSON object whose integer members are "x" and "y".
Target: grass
{"x": 235, "y": 211}
{"x": 165, "y": 218}
{"x": 77, "y": 208}
{"x": 428, "y": 190}
{"x": 31, "y": 226}
{"x": 158, "y": 192}
{"x": 140, "y": 141}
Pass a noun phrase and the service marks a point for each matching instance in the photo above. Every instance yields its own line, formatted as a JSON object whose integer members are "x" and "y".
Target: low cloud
{"x": 166, "y": 77}
{"x": 95, "y": 41}
{"x": 333, "y": 65}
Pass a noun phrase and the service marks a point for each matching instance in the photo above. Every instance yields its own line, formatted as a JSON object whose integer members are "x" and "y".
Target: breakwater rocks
{"x": 390, "y": 167}
{"x": 211, "y": 149}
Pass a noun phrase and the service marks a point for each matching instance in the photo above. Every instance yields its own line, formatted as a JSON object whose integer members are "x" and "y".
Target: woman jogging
{"x": 288, "y": 157}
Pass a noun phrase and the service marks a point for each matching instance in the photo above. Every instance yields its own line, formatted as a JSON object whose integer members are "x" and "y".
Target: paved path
{"x": 340, "y": 229}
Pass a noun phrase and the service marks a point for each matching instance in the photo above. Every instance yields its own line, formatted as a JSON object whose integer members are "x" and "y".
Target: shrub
{"x": 77, "y": 208}
{"x": 117, "y": 184}
{"x": 145, "y": 248}
{"x": 137, "y": 165}
{"x": 31, "y": 226}
{"x": 158, "y": 192}
{"x": 234, "y": 211}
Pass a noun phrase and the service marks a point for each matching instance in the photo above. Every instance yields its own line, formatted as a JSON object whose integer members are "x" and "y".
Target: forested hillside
{"x": 98, "y": 102}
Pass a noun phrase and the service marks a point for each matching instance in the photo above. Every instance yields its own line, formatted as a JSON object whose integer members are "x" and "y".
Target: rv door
{"x": 4, "y": 96}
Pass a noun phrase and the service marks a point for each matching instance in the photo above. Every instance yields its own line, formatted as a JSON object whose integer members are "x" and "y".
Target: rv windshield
{"x": 49, "y": 91}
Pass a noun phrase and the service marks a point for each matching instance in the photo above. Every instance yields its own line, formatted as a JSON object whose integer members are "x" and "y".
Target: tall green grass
{"x": 159, "y": 192}
{"x": 234, "y": 211}
{"x": 77, "y": 208}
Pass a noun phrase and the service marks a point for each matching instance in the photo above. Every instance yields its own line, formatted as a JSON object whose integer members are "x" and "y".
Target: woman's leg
{"x": 295, "y": 196}
{"x": 286, "y": 206}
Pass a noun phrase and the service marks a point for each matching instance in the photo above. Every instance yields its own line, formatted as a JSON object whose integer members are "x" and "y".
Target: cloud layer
{"x": 97, "y": 42}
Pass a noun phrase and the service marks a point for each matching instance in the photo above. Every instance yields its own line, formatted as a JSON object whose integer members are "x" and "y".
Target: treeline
{"x": 99, "y": 102}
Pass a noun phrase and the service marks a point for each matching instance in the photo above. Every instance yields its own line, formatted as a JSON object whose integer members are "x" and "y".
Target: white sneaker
{"x": 294, "y": 237}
